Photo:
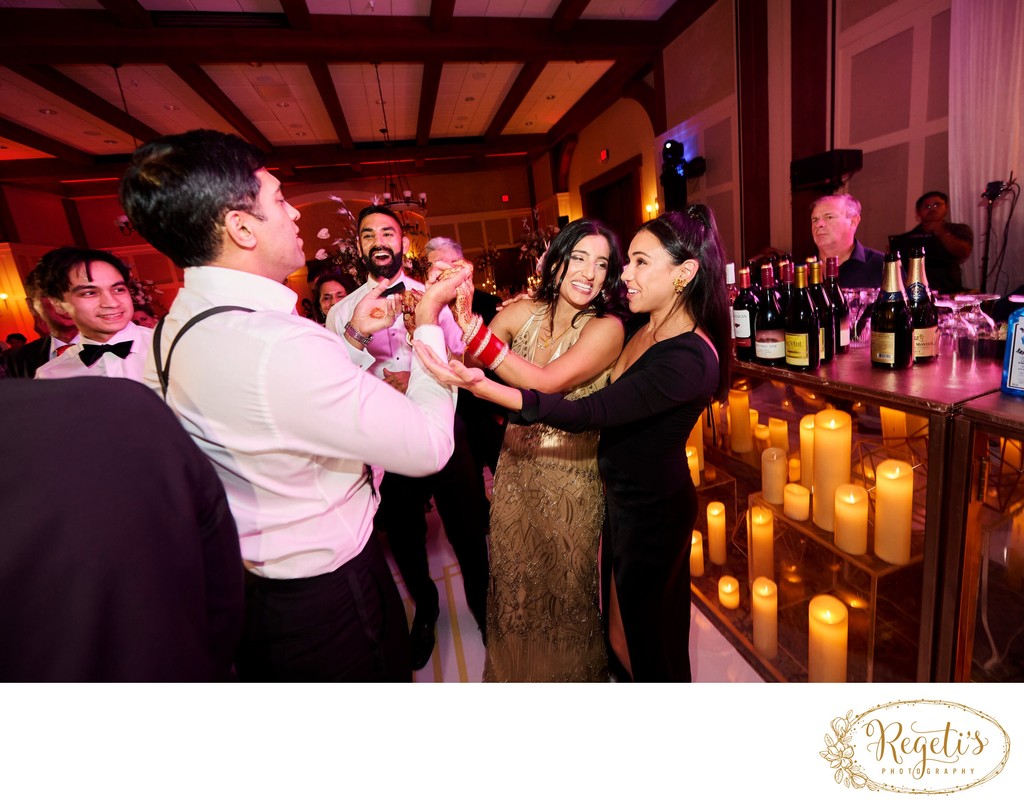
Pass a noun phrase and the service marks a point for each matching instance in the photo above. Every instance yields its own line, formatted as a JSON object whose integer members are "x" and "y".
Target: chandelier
{"x": 397, "y": 194}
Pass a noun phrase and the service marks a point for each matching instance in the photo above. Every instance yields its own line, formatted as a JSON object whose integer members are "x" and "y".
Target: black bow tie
{"x": 92, "y": 352}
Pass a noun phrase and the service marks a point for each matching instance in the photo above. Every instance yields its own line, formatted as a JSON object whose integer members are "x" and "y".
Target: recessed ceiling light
{"x": 283, "y": 104}
{"x": 470, "y": 98}
{"x": 300, "y": 134}
{"x": 108, "y": 140}
{"x": 171, "y": 107}
{"x": 47, "y": 111}
{"x": 459, "y": 126}
{"x": 550, "y": 98}
{"x": 529, "y": 123}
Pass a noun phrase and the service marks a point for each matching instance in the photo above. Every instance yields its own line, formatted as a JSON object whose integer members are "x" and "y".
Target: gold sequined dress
{"x": 543, "y": 622}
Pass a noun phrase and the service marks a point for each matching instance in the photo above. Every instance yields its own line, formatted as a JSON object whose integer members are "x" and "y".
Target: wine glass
{"x": 958, "y": 337}
{"x": 853, "y": 303}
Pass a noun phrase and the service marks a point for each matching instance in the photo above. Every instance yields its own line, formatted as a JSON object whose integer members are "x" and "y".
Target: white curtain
{"x": 986, "y": 139}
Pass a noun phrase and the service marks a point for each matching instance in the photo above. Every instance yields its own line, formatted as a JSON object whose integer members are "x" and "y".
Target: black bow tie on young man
{"x": 91, "y": 352}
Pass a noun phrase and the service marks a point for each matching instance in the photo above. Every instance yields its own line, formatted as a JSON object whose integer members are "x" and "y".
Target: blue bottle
{"x": 1013, "y": 359}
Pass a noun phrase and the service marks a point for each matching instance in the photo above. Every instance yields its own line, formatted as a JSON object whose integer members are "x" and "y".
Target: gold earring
{"x": 678, "y": 284}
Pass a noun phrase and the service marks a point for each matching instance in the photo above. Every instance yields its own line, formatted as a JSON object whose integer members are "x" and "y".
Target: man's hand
{"x": 442, "y": 291}
{"x": 399, "y": 380}
{"x": 522, "y": 296}
{"x": 373, "y": 313}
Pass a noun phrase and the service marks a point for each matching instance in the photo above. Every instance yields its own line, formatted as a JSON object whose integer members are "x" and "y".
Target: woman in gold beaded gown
{"x": 543, "y": 619}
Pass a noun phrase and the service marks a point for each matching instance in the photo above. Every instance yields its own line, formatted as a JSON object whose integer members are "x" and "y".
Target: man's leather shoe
{"x": 421, "y": 638}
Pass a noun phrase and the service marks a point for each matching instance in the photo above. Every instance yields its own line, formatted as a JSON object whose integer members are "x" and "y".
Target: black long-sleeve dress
{"x": 645, "y": 417}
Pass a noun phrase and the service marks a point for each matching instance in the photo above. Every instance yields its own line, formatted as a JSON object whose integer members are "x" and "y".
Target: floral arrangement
{"x": 143, "y": 291}
{"x": 342, "y": 255}
{"x": 534, "y": 239}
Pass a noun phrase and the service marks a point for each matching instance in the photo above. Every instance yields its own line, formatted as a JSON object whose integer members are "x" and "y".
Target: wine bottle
{"x": 744, "y": 310}
{"x": 803, "y": 338}
{"x": 842, "y": 308}
{"x": 784, "y": 283}
{"x": 826, "y": 312}
{"x": 892, "y": 339}
{"x": 924, "y": 318}
{"x": 769, "y": 326}
{"x": 730, "y": 281}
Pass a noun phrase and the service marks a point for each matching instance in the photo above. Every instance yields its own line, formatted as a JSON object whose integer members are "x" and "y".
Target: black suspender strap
{"x": 163, "y": 372}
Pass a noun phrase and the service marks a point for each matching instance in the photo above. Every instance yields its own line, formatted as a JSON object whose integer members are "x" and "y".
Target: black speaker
{"x": 826, "y": 171}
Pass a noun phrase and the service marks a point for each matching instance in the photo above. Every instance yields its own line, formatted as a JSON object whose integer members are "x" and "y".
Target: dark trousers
{"x": 458, "y": 492}
{"x": 345, "y": 626}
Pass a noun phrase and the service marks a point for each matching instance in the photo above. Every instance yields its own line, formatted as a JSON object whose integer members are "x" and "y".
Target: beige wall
{"x": 700, "y": 65}
{"x": 892, "y": 102}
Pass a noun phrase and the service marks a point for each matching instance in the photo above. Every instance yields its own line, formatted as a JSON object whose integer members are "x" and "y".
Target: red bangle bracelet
{"x": 490, "y": 352}
{"x": 478, "y": 340}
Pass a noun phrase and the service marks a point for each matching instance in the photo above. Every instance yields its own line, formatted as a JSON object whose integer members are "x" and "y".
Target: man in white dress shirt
{"x": 458, "y": 489}
{"x": 289, "y": 421}
{"x": 91, "y": 287}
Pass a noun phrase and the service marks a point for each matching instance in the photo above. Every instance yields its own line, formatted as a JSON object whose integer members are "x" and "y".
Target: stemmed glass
{"x": 857, "y": 300}
{"x": 958, "y": 337}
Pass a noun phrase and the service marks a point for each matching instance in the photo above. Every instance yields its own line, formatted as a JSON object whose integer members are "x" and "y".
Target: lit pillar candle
{"x": 764, "y": 597}
{"x": 696, "y": 440}
{"x": 697, "y": 554}
{"x": 852, "y": 518}
{"x": 827, "y": 639}
{"x": 691, "y": 461}
{"x": 778, "y": 430}
{"x": 833, "y": 447}
{"x": 740, "y": 435}
{"x": 729, "y": 592}
{"x": 762, "y": 437}
{"x": 807, "y": 451}
{"x": 794, "y": 470}
{"x": 762, "y": 543}
{"x": 716, "y": 532}
{"x": 796, "y": 502}
{"x": 773, "y": 474}
{"x": 894, "y": 501}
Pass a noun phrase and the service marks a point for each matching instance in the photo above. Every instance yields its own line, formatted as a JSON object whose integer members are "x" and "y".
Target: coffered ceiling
{"x": 466, "y": 84}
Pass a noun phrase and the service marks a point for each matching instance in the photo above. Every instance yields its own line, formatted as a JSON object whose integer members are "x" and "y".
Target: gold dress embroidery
{"x": 543, "y": 623}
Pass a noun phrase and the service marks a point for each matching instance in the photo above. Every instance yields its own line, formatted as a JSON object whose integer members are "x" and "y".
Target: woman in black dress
{"x": 674, "y": 363}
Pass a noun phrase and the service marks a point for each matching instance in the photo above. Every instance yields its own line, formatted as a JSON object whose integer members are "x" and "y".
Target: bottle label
{"x": 883, "y": 347}
{"x": 797, "y": 352}
{"x": 888, "y": 297}
{"x": 917, "y": 292}
{"x": 1015, "y": 357}
{"x": 770, "y": 345}
{"x": 924, "y": 342}
{"x": 844, "y": 332}
{"x": 821, "y": 341}
{"x": 741, "y": 325}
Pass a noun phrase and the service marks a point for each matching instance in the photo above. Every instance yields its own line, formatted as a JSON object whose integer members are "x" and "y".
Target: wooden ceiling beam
{"x": 524, "y": 82}
{"x": 567, "y": 15}
{"x": 42, "y": 143}
{"x": 428, "y": 100}
{"x": 83, "y": 37}
{"x": 297, "y": 13}
{"x": 129, "y": 13}
{"x": 441, "y": 14}
{"x": 51, "y": 79}
{"x": 199, "y": 80}
{"x": 329, "y": 95}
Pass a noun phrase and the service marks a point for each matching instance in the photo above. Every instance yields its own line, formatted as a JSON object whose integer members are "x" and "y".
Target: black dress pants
{"x": 344, "y": 626}
{"x": 458, "y": 491}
